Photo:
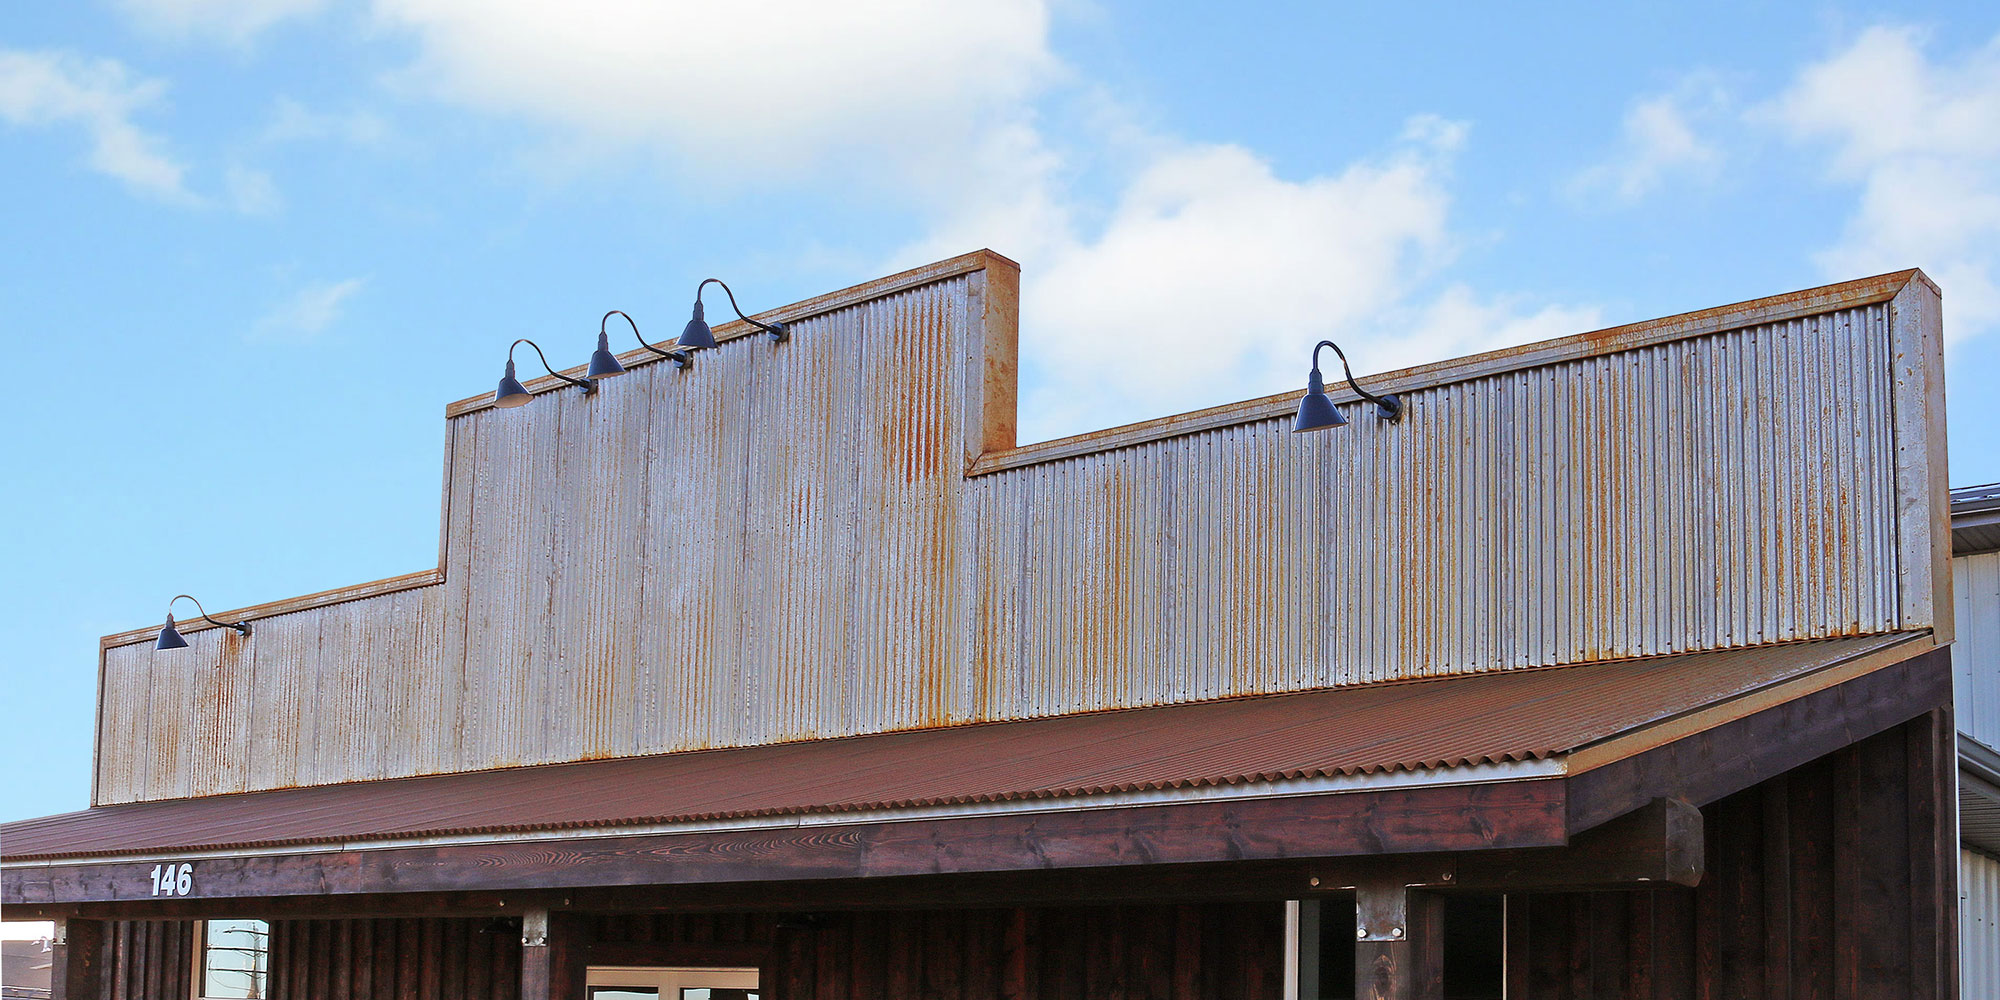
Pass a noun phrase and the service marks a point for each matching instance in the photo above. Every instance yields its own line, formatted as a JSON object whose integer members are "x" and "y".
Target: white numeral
{"x": 173, "y": 880}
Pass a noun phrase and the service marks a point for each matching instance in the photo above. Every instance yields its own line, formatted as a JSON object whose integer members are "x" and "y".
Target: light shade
{"x": 603, "y": 364}
{"x": 170, "y": 637}
{"x": 1316, "y": 411}
{"x": 511, "y": 392}
{"x": 696, "y": 336}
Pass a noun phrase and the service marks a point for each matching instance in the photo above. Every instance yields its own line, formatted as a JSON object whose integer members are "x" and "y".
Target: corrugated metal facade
{"x": 1976, "y": 654}
{"x": 1979, "y": 924}
{"x": 783, "y": 543}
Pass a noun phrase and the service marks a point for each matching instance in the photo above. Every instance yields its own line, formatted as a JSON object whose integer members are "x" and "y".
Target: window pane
{"x": 235, "y": 959}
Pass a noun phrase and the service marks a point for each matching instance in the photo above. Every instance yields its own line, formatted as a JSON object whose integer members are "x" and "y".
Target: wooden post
{"x": 77, "y": 959}
{"x": 1399, "y": 946}
{"x": 554, "y": 955}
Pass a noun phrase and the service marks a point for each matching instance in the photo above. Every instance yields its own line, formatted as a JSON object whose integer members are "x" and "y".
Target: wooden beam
{"x": 537, "y": 958}
{"x": 1656, "y": 846}
{"x": 1728, "y": 758}
{"x": 1399, "y": 946}
{"x": 76, "y": 963}
{"x": 1390, "y": 821}
{"x": 555, "y": 955}
{"x": 1661, "y": 845}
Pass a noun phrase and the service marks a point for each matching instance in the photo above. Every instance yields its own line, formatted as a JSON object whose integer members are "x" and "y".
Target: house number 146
{"x": 173, "y": 880}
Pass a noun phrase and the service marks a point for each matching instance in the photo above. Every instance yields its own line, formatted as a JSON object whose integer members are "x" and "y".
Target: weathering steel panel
{"x": 783, "y": 543}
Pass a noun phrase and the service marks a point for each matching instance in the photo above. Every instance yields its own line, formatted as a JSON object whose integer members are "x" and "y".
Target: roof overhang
{"x": 1627, "y": 745}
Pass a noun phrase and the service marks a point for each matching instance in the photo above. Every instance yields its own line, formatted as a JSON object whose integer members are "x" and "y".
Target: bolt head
{"x": 1360, "y": 933}
{"x": 1395, "y": 932}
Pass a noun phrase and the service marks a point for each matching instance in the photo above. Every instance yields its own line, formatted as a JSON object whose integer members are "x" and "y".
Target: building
{"x": 24, "y": 969}
{"x": 1617, "y": 665}
{"x": 1975, "y": 565}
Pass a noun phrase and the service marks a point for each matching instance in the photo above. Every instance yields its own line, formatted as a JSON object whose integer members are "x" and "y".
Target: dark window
{"x": 1474, "y": 948}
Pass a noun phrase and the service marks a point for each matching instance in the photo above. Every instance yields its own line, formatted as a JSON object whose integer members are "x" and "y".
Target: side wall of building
{"x": 1979, "y": 915}
{"x": 1976, "y": 658}
{"x": 1831, "y": 881}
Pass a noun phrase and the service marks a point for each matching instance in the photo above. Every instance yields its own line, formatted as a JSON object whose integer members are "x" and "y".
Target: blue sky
{"x": 254, "y": 246}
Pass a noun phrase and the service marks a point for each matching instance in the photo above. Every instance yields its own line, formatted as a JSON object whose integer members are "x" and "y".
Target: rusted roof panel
{"x": 1433, "y": 724}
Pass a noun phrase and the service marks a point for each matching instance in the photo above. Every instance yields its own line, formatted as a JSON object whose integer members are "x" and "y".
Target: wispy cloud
{"x": 1660, "y": 139}
{"x": 308, "y": 312}
{"x": 1920, "y": 137}
{"x": 1226, "y": 268}
{"x": 100, "y": 97}
{"x": 252, "y": 191}
{"x": 778, "y": 88}
{"x": 236, "y": 22}
{"x": 292, "y": 121}
{"x": 1228, "y": 272}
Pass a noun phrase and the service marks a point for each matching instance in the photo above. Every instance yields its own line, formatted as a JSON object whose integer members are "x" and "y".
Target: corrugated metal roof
{"x": 1444, "y": 723}
{"x": 1975, "y": 519}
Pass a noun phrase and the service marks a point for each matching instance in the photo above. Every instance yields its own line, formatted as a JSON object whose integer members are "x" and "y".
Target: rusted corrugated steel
{"x": 783, "y": 543}
{"x": 1444, "y": 723}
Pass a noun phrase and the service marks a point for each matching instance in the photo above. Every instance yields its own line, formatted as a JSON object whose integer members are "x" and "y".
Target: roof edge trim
{"x": 1612, "y": 340}
{"x": 818, "y": 305}
{"x": 1898, "y": 647}
{"x": 1472, "y": 774}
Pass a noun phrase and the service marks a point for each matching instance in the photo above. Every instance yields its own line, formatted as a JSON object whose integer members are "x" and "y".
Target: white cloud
{"x": 765, "y": 88}
{"x": 309, "y": 311}
{"x": 1922, "y": 140}
{"x": 1658, "y": 140}
{"x": 232, "y": 21}
{"x": 252, "y": 192}
{"x": 1213, "y": 276}
{"x": 292, "y": 121}
{"x": 100, "y": 97}
{"x": 1205, "y": 282}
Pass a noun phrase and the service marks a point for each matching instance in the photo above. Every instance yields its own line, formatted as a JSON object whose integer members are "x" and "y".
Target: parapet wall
{"x": 836, "y": 535}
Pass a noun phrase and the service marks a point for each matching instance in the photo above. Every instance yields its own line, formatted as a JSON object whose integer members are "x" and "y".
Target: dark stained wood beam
{"x": 1656, "y": 846}
{"x": 1391, "y": 821}
{"x": 1735, "y": 755}
{"x": 1661, "y": 844}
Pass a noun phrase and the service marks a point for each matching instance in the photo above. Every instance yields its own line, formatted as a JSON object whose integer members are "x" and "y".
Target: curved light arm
{"x": 679, "y": 358}
{"x": 776, "y": 330}
{"x": 242, "y": 628}
{"x": 582, "y": 383}
{"x": 1390, "y": 407}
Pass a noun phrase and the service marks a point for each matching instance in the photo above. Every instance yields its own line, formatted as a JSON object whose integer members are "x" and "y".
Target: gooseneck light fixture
{"x": 603, "y": 364}
{"x": 698, "y": 337}
{"x": 170, "y": 637}
{"x": 1317, "y": 412}
{"x": 512, "y": 393}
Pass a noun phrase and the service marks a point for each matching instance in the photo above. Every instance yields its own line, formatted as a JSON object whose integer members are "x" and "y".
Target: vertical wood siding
{"x": 394, "y": 959}
{"x": 783, "y": 542}
{"x": 1820, "y": 884}
{"x": 148, "y": 960}
{"x": 1210, "y": 951}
